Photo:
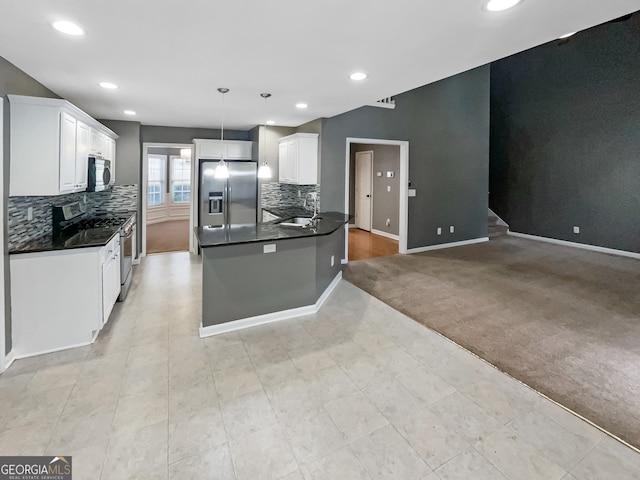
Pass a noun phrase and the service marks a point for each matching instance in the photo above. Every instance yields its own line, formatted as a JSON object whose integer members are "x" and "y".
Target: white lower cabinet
{"x": 61, "y": 299}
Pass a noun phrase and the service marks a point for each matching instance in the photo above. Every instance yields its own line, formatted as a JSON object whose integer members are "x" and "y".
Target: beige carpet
{"x": 562, "y": 320}
{"x": 172, "y": 236}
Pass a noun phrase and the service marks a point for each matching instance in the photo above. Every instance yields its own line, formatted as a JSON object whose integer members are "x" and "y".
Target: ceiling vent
{"x": 388, "y": 102}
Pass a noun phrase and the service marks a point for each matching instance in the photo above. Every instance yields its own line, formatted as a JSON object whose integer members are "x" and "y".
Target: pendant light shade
{"x": 265, "y": 170}
{"x": 222, "y": 171}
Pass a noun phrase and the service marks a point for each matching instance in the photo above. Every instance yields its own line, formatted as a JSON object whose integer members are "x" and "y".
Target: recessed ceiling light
{"x": 68, "y": 28}
{"x": 567, "y": 35}
{"x": 358, "y": 76}
{"x": 108, "y": 85}
{"x": 500, "y": 5}
{"x": 301, "y": 105}
{"x": 129, "y": 112}
{"x": 271, "y": 122}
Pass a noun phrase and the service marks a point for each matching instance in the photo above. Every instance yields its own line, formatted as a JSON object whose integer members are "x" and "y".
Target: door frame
{"x": 4, "y": 364}
{"x": 404, "y": 189}
{"x": 370, "y": 188}
{"x": 145, "y": 180}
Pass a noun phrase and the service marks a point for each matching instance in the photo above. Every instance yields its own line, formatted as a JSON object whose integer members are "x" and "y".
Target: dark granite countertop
{"x": 327, "y": 223}
{"x": 77, "y": 238}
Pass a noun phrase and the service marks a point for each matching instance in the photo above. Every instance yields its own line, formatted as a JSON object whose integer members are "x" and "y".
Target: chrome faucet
{"x": 314, "y": 196}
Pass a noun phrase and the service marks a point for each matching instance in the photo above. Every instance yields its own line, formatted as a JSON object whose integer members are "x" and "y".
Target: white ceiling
{"x": 168, "y": 57}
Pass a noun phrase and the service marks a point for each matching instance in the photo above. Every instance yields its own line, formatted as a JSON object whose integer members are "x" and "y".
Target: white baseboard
{"x": 18, "y": 356}
{"x": 385, "y": 234}
{"x": 7, "y": 361}
{"x": 584, "y": 246}
{"x": 271, "y": 317}
{"x": 440, "y": 246}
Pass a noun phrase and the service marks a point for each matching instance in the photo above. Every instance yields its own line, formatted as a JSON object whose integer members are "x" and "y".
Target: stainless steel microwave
{"x": 99, "y": 175}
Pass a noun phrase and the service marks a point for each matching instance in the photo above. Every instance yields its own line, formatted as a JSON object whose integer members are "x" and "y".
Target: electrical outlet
{"x": 388, "y": 222}
{"x": 388, "y": 188}
{"x": 451, "y": 229}
{"x": 29, "y": 213}
{"x": 269, "y": 248}
{"x": 439, "y": 231}
{"x": 333, "y": 260}
{"x": 576, "y": 229}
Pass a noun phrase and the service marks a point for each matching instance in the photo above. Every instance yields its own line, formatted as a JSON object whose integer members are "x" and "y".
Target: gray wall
{"x": 160, "y": 134}
{"x": 13, "y": 81}
{"x": 447, "y": 126}
{"x": 565, "y": 141}
{"x": 385, "y": 205}
{"x": 127, "y": 151}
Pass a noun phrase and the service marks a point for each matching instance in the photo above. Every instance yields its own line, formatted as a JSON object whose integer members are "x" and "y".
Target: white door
{"x": 364, "y": 178}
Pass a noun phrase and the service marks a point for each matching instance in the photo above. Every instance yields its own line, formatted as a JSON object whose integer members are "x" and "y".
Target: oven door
{"x": 127, "y": 254}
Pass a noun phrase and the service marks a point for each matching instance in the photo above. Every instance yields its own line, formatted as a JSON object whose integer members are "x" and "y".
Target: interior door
{"x": 364, "y": 179}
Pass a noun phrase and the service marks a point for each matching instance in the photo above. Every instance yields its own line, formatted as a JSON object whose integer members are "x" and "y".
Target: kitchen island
{"x": 261, "y": 273}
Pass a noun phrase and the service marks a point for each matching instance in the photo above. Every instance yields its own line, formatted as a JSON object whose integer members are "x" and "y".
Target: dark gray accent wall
{"x": 565, "y": 142}
{"x": 385, "y": 205}
{"x": 447, "y": 126}
{"x": 13, "y": 81}
{"x": 160, "y": 134}
{"x": 127, "y": 151}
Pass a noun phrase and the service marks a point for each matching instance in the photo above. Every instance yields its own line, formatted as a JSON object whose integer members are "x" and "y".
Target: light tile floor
{"x": 358, "y": 391}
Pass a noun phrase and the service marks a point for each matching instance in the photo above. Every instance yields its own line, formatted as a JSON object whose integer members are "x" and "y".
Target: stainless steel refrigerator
{"x": 230, "y": 201}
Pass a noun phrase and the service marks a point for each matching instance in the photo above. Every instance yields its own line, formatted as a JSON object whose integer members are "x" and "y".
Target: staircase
{"x": 496, "y": 226}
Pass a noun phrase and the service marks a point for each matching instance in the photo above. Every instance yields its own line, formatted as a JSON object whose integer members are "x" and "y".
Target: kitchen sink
{"x": 296, "y": 222}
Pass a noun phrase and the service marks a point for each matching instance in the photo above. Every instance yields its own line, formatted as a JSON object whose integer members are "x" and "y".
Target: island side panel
{"x": 240, "y": 281}
{"x": 327, "y": 246}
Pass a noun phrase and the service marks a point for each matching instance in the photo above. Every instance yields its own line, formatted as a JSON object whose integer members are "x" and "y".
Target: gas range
{"x": 125, "y": 222}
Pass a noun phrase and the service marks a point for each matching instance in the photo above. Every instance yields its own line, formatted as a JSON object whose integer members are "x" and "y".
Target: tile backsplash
{"x": 120, "y": 199}
{"x": 282, "y": 195}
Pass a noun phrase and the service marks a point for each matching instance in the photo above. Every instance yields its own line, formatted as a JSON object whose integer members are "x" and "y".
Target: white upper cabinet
{"x": 298, "y": 159}
{"x": 231, "y": 149}
{"x": 83, "y": 137}
{"x": 50, "y": 140}
{"x": 67, "y": 152}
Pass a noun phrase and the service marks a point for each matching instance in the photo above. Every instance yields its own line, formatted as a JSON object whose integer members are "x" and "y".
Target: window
{"x": 180, "y": 179}
{"x": 156, "y": 180}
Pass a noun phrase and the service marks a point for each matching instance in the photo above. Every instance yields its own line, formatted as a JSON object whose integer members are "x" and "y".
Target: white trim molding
{"x": 404, "y": 187}
{"x": 385, "y": 234}
{"x": 441, "y": 246}
{"x": 142, "y": 226}
{"x": 583, "y": 246}
{"x": 271, "y": 317}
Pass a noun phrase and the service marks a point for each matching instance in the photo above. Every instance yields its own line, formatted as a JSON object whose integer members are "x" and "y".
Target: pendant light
{"x": 222, "y": 171}
{"x": 265, "y": 171}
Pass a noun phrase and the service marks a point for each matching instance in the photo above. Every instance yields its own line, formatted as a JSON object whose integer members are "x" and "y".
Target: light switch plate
{"x": 271, "y": 248}
{"x": 390, "y": 174}
{"x": 388, "y": 188}
{"x": 439, "y": 231}
{"x": 451, "y": 229}
{"x": 378, "y": 174}
{"x": 412, "y": 192}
